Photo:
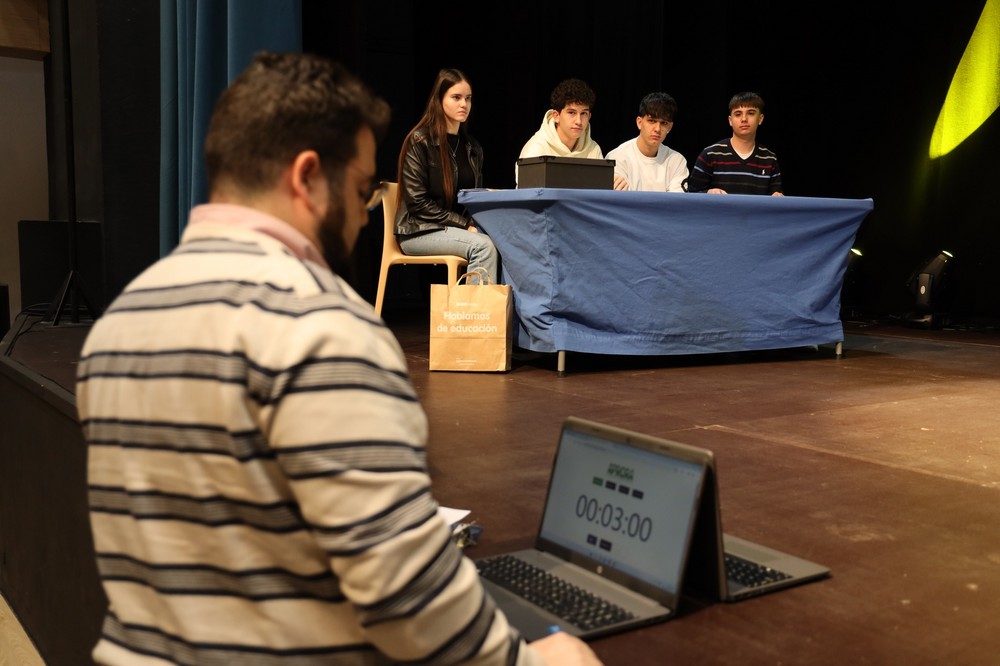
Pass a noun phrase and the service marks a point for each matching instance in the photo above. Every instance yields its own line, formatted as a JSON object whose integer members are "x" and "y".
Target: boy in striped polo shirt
{"x": 738, "y": 165}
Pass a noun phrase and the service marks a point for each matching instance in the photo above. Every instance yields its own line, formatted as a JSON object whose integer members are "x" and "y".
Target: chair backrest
{"x": 392, "y": 254}
{"x": 390, "y": 246}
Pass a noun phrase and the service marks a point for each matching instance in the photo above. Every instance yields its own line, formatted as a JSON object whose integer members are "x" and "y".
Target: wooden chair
{"x": 392, "y": 255}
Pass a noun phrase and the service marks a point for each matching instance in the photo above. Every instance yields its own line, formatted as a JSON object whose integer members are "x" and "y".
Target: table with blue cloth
{"x": 663, "y": 273}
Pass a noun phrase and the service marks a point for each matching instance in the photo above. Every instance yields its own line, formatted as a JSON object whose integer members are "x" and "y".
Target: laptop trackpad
{"x": 531, "y": 621}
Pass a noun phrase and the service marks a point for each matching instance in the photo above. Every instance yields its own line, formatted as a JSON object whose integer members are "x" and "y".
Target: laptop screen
{"x": 625, "y": 507}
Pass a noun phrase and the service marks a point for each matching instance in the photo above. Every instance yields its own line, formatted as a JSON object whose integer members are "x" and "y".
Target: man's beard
{"x": 338, "y": 256}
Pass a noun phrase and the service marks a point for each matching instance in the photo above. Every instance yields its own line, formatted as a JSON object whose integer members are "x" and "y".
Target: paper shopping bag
{"x": 471, "y": 326}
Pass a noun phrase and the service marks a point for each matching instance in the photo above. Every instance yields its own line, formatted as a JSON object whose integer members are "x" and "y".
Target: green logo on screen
{"x": 621, "y": 472}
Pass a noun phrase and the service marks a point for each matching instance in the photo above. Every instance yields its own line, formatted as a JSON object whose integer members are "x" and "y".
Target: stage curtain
{"x": 205, "y": 44}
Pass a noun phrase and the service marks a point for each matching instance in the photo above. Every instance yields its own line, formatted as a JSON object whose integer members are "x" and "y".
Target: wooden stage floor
{"x": 883, "y": 465}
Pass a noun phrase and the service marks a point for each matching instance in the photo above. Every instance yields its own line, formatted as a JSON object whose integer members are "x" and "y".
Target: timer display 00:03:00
{"x": 614, "y": 518}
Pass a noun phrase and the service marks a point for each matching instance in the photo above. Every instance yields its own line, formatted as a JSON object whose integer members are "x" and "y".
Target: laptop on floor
{"x": 725, "y": 567}
{"x": 627, "y": 517}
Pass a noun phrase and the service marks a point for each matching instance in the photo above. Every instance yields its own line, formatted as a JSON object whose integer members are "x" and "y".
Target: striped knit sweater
{"x": 257, "y": 478}
{"x": 720, "y": 166}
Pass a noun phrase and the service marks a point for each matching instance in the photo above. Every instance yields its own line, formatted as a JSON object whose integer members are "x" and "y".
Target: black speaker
{"x": 43, "y": 250}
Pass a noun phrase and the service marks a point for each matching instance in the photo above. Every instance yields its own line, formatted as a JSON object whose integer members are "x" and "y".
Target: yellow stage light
{"x": 974, "y": 93}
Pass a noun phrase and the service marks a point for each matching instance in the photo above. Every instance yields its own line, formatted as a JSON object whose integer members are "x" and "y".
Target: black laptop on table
{"x": 630, "y": 521}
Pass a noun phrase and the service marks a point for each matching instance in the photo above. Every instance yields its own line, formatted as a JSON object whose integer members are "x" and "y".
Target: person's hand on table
{"x": 620, "y": 183}
{"x": 717, "y": 190}
{"x": 777, "y": 194}
{"x": 565, "y": 650}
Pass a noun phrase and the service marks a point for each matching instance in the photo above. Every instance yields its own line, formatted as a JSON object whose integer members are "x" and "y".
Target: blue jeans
{"x": 476, "y": 247}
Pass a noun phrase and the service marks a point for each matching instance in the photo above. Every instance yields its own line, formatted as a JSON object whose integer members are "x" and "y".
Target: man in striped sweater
{"x": 257, "y": 479}
{"x": 738, "y": 165}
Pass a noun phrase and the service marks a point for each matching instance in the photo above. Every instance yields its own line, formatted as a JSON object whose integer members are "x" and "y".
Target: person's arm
{"x": 701, "y": 175}
{"x": 699, "y": 180}
{"x": 534, "y": 147}
{"x": 416, "y": 185}
{"x": 348, "y": 433}
{"x": 564, "y": 650}
{"x": 593, "y": 150}
{"x": 677, "y": 172}
{"x": 775, "y": 184}
{"x": 621, "y": 178}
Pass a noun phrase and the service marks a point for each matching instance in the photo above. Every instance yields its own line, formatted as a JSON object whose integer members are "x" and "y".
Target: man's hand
{"x": 777, "y": 194}
{"x": 565, "y": 650}
{"x": 620, "y": 183}
{"x": 717, "y": 190}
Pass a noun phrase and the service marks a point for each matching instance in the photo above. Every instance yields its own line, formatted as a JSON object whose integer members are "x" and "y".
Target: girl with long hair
{"x": 438, "y": 159}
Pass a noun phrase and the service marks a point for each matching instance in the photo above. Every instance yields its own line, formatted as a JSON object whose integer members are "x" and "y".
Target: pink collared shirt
{"x": 251, "y": 218}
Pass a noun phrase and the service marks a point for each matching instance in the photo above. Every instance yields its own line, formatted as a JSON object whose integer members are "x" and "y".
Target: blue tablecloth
{"x": 652, "y": 273}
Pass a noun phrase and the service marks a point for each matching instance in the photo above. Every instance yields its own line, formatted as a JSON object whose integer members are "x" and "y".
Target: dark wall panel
{"x": 130, "y": 129}
{"x": 106, "y": 122}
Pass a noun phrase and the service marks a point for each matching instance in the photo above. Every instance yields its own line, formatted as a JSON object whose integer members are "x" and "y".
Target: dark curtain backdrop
{"x": 852, "y": 94}
{"x": 203, "y": 46}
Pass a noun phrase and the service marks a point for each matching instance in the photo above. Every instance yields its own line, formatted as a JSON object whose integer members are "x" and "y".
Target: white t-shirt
{"x": 663, "y": 173}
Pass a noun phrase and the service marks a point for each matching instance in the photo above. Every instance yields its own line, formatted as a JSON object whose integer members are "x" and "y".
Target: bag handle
{"x": 482, "y": 273}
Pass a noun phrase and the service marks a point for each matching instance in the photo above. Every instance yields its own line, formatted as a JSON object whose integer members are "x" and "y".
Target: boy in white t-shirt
{"x": 644, "y": 163}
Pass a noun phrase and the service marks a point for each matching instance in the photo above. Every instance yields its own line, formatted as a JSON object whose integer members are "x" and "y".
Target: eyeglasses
{"x": 375, "y": 194}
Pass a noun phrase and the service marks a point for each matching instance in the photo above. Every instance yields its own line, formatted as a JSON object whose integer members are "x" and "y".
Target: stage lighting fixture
{"x": 850, "y": 292}
{"x": 974, "y": 94}
{"x": 929, "y": 285}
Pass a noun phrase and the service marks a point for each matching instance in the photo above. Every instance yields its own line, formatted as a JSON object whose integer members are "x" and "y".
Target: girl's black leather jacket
{"x": 423, "y": 206}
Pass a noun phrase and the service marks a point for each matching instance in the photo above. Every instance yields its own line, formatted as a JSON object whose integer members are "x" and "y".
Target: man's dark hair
{"x": 750, "y": 99}
{"x": 281, "y": 105}
{"x": 658, "y": 105}
{"x": 572, "y": 91}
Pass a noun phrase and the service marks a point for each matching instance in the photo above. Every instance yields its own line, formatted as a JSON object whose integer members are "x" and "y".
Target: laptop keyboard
{"x": 567, "y": 601}
{"x": 751, "y": 574}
